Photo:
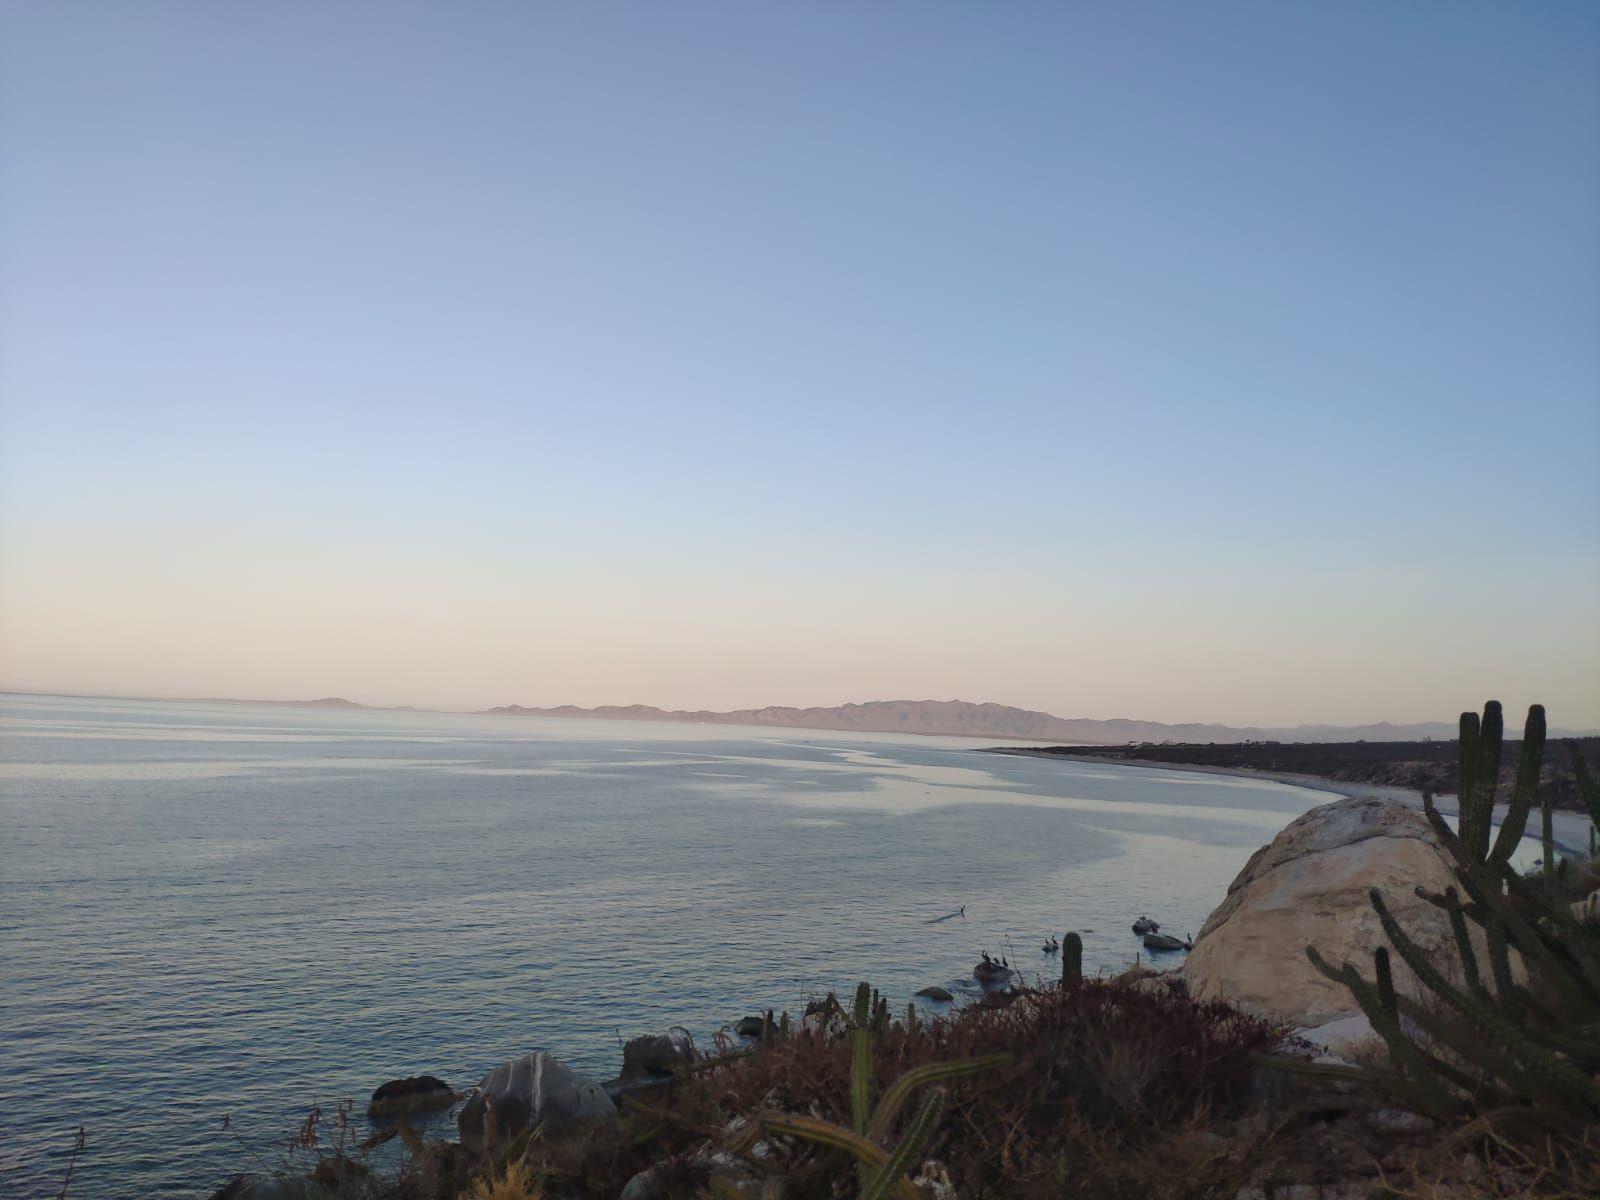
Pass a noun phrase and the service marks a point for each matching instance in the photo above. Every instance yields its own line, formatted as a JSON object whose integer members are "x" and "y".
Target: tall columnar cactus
{"x": 1503, "y": 1046}
{"x": 1589, "y": 792}
{"x": 1071, "y": 960}
{"x": 1479, "y": 780}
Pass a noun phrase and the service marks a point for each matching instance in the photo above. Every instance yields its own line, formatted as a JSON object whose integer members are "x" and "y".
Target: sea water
{"x": 216, "y": 916}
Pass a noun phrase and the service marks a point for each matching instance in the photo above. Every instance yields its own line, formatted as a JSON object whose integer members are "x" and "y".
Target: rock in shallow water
{"x": 936, "y": 993}
{"x": 409, "y": 1095}
{"x": 534, "y": 1090}
{"x": 658, "y": 1053}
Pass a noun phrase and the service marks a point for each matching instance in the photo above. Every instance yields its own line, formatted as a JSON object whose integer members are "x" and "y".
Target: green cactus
{"x": 1467, "y": 776}
{"x": 880, "y": 1015}
{"x": 1547, "y": 835}
{"x": 880, "y": 1171}
{"x": 861, "y": 1060}
{"x": 1491, "y": 738}
{"x": 1525, "y": 788}
{"x": 1588, "y": 787}
{"x": 1071, "y": 960}
{"x": 1490, "y": 1048}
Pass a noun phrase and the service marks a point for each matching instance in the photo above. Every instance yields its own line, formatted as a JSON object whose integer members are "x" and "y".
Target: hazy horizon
{"x": 1233, "y": 364}
{"x": 1515, "y": 712}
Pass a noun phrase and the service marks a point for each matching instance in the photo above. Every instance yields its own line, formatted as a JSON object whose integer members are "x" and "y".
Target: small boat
{"x": 1145, "y": 925}
{"x": 1165, "y": 941}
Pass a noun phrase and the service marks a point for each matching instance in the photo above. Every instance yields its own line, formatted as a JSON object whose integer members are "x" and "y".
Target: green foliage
{"x": 1491, "y": 1045}
{"x": 881, "y": 1171}
{"x": 1071, "y": 960}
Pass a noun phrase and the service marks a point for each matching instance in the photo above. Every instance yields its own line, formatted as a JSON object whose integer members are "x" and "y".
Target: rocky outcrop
{"x": 412, "y": 1094}
{"x": 1310, "y": 886}
{"x": 536, "y": 1090}
{"x": 658, "y": 1054}
{"x": 942, "y": 995}
{"x": 825, "y": 1017}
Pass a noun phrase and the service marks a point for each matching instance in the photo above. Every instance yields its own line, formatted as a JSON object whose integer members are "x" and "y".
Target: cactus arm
{"x": 1485, "y": 1018}
{"x": 1477, "y": 1052}
{"x": 890, "y": 1104}
{"x": 1526, "y": 787}
{"x": 1515, "y": 1084}
{"x": 1547, "y": 834}
{"x": 1490, "y": 740}
{"x": 1487, "y": 893}
{"x": 1403, "y": 1052}
{"x": 1469, "y": 960}
{"x": 1383, "y": 1081}
{"x": 835, "y": 1137}
{"x": 1378, "y": 1002}
{"x": 1500, "y": 966}
{"x": 900, "y": 1159}
{"x": 1467, "y": 774}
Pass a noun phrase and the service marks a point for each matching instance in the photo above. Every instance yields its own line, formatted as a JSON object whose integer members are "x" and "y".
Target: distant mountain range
{"x": 963, "y": 719}
{"x": 955, "y": 718}
{"x": 325, "y": 702}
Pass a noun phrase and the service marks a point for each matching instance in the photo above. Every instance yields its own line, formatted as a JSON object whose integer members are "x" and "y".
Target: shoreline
{"x": 1571, "y": 829}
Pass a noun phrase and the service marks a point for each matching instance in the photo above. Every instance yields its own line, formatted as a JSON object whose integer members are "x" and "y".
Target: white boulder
{"x": 1310, "y": 886}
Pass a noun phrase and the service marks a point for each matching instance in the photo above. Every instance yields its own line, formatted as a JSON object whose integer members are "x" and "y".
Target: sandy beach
{"x": 1571, "y": 828}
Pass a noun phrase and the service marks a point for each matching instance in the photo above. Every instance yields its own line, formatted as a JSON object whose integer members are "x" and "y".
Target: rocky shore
{"x": 685, "y": 1120}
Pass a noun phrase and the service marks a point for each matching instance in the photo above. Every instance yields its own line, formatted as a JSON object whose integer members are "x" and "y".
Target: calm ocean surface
{"x": 243, "y": 910}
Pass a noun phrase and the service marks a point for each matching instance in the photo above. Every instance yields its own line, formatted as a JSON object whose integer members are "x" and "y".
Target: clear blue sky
{"x": 1227, "y": 361}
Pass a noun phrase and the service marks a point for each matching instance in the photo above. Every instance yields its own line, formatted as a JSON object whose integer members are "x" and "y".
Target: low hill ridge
{"x": 963, "y": 718}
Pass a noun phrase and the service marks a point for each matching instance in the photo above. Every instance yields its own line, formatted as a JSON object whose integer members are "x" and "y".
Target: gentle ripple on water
{"x": 244, "y": 910}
